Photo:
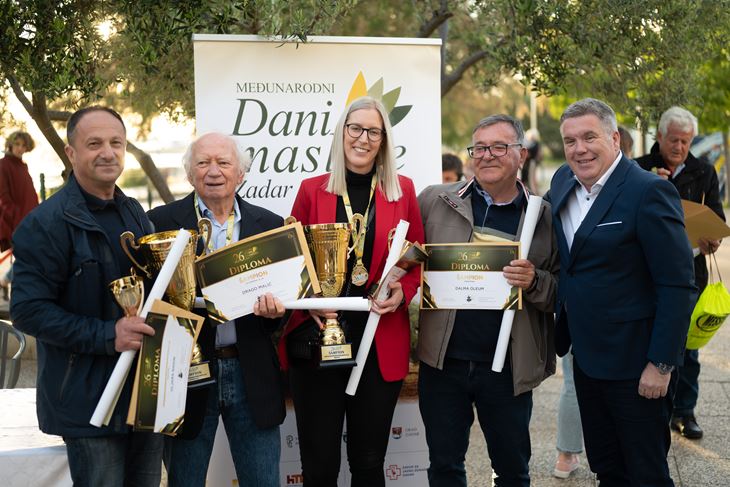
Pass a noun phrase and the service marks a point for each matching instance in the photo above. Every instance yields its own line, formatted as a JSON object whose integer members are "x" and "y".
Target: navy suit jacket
{"x": 626, "y": 289}
{"x": 257, "y": 355}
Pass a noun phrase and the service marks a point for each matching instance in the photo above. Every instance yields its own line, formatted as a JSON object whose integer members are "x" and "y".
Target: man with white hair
{"x": 248, "y": 393}
{"x": 695, "y": 180}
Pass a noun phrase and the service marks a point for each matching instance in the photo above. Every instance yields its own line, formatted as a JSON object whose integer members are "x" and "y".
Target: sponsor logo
{"x": 393, "y": 472}
{"x": 294, "y": 479}
{"x": 397, "y": 432}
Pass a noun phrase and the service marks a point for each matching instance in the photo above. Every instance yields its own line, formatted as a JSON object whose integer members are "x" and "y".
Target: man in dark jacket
{"x": 248, "y": 393}
{"x": 67, "y": 252}
{"x": 695, "y": 180}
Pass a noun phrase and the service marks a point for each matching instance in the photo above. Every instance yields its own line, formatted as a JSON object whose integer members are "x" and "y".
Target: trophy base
{"x": 335, "y": 356}
{"x": 199, "y": 375}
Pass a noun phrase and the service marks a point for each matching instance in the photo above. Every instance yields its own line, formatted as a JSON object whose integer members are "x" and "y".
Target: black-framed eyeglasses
{"x": 495, "y": 150}
{"x": 355, "y": 131}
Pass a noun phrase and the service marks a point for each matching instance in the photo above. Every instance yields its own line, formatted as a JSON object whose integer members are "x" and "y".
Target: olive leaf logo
{"x": 389, "y": 99}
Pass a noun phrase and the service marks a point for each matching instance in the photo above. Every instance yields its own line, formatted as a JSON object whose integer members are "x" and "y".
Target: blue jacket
{"x": 626, "y": 286}
{"x": 64, "y": 264}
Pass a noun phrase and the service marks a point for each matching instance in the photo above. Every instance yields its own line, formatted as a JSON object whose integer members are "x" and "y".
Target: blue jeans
{"x": 134, "y": 459}
{"x": 255, "y": 452}
{"x": 447, "y": 398}
{"x": 688, "y": 386}
{"x": 570, "y": 434}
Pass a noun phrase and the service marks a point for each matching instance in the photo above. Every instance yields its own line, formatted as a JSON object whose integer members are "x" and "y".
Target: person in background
{"x": 569, "y": 441}
{"x": 17, "y": 194}
{"x": 452, "y": 169}
{"x": 531, "y": 166}
{"x": 626, "y": 142}
{"x": 695, "y": 180}
{"x": 67, "y": 251}
{"x": 363, "y": 180}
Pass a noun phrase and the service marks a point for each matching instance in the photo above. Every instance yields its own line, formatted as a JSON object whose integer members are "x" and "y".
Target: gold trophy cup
{"x": 154, "y": 249}
{"x": 128, "y": 291}
{"x": 329, "y": 246}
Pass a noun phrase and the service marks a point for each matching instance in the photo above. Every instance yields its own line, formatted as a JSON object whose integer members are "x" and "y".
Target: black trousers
{"x": 627, "y": 436}
{"x": 321, "y": 406}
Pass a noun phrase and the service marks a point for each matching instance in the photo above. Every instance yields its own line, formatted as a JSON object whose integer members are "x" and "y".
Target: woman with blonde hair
{"x": 363, "y": 180}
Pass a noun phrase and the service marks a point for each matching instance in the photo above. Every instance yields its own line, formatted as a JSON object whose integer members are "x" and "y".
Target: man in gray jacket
{"x": 456, "y": 347}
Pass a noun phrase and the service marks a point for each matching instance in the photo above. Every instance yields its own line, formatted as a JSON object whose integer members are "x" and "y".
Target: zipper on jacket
{"x": 67, "y": 375}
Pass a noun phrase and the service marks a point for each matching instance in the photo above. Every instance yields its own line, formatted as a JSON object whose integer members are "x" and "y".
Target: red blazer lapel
{"x": 384, "y": 221}
{"x": 326, "y": 206}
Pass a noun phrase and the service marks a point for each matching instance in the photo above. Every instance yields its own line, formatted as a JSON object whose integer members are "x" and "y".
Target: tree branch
{"x": 438, "y": 17}
{"x": 448, "y": 81}
{"x": 40, "y": 115}
{"x": 150, "y": 169}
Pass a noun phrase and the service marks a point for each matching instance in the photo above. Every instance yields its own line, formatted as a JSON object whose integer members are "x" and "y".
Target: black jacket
{"x": 259, "y": 363}
{"x": 64, "y": 264}
{"x": 697, "y": 181}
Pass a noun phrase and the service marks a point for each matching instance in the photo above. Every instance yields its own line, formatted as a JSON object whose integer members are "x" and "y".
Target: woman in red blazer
{"x": 364, "y": 172}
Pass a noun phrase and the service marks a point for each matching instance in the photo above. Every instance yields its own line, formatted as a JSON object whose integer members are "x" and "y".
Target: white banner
{"x": 406, "y": 460}
{"x": 281, "y": 101}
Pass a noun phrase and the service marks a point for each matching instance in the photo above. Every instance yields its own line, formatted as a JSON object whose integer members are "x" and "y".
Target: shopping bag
{"x": 710, "y": 312}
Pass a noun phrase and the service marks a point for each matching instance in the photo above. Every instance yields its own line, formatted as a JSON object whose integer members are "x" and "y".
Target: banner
{"x": 406, "y": 459}
{"x": 281, "y": 100}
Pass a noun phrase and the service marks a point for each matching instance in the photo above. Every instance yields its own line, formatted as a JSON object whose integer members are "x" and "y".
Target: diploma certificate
{"x": 469, "y": 276}
{"x": 277, "y": 262}
{"x": 161, "y": 380}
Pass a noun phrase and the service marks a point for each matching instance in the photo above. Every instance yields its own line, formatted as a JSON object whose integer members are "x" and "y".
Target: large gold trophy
{"x": 329, "y": 246}
{"x": 154, "y": 249}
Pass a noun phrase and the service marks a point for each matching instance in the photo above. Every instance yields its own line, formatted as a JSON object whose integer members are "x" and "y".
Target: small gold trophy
{"x": 128, "y": 291}
{"x": 328, "y": 244}
{"x": 154, "y": 248}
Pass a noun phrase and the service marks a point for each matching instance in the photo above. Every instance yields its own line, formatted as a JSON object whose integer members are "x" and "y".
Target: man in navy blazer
{"x": 625, "y": 295}
{"x": 248, "y": 393}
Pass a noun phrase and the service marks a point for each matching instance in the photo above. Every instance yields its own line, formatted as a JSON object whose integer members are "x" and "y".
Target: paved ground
{"x": 703, "y": 463}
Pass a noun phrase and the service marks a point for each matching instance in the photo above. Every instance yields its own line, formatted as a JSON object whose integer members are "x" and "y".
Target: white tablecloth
{"x": 28, "y": 457}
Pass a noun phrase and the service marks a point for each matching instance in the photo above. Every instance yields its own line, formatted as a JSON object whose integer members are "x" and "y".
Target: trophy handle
{"x": 126, "y": 240}
{"x": 289, "y": 220}
{"x": 358, "y": 230}
{"x": 141, "y": 301}
{"x": 391, "y": 233}
{"x": 205, "y": 230}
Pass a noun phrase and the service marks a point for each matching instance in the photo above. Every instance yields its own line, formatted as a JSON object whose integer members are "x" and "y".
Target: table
{"x": 28, "y": 457}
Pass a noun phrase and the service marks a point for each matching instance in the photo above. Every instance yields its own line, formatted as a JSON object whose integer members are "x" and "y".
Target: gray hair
{"x": 244, "y": 160}
{"x": 591, "y": 106}
{"x": 385, "y": 164}
{"x": 680, "y": 117}
{"x": 501, "y": 118}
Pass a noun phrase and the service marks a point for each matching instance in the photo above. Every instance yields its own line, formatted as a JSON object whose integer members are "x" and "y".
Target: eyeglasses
{"x": 355, "y": 131}
{"x": 495, "y": 150}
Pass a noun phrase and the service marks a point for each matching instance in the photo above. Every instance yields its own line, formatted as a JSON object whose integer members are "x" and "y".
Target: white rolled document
{"x": 113, "y": 388}
{"x": 505, "y": 329}
{"x": 396, "y": 247}
{"x": 339, "y": 304}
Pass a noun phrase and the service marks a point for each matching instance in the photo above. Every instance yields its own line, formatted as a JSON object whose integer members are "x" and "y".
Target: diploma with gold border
{"x": 277, "y": 262}
{"x": 469, "y": 276}
{"x": 161, "y": 379}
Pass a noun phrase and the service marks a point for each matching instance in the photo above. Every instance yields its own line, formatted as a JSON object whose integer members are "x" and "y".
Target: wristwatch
{"x": 664, "y": 369}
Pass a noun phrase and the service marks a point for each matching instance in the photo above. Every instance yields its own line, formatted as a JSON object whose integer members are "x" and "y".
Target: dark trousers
{"x": 626, "y": 436}
{"x": 447, "y": 398}
{"x": 321, "y": 406}
{"x": 688, "y": 386}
